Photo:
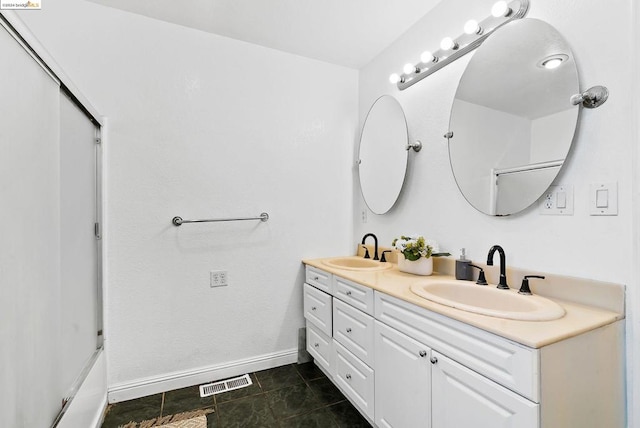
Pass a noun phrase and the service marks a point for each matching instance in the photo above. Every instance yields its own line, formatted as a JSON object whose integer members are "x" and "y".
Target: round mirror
{"x": 512, "y": 121}
{"x": 383, "y": 154}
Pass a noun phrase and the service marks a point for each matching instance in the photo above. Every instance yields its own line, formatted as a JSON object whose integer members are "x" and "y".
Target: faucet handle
{"x": 482, "y": 280}
{"x": 366, "y": 252}
{"x": 524, "y": 288}
{"x": 383, "y": 259}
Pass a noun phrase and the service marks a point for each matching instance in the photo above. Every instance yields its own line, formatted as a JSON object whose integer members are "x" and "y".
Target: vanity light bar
{"x": 451, "y": 49}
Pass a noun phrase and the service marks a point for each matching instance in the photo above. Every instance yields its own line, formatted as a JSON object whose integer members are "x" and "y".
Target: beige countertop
{"x": 579, "y": 318}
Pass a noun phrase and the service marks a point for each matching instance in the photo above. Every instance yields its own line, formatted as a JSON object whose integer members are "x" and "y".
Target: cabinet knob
{"x": 434, "y": 360}
{"x": 348, "y": 293}
{"x": 315, "y": 345}
{"x": 313, "y": 308}
{"x": 348, "y": 376}
{"x": 316, "y": 278}
{"x": 348, "y": 329}
{"x": 423, "y": 354}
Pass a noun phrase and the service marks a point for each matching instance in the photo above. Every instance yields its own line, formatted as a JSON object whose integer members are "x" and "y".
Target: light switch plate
{"x": 603, "y": 199}
{"x": 557, "y": 200}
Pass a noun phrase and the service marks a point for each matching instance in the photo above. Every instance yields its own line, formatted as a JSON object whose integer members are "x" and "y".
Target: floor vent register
{"x": 225, "y": 385}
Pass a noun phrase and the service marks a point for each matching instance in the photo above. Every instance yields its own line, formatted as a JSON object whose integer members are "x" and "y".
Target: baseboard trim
{"x": 156, "y": 384}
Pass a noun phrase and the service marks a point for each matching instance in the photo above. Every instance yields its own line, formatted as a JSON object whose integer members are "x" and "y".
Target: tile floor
{"x": 295, "y": 395}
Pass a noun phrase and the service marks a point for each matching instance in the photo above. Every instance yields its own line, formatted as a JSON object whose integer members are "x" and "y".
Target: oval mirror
{"x": 383, "y": 154}
{"x": 512, "y": 121}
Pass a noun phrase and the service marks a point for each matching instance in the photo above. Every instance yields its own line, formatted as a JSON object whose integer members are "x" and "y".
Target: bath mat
{"x": 198, "y": 422}
{"x": 194, "y": 419}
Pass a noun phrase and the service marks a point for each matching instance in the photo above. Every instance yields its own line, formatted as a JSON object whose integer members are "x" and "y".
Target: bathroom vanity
{"x": 405, "y": 361}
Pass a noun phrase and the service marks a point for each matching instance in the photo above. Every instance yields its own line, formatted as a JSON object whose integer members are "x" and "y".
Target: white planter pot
{"x": 422, "y": 266}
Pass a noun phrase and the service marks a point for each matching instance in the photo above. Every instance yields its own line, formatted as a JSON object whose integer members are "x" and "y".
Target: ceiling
{"x": 344, "y": 32}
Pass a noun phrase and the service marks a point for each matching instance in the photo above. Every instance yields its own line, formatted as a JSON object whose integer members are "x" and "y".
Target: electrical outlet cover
{"x": 557, "y": 200}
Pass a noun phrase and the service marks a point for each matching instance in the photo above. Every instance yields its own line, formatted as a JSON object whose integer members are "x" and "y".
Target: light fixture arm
{"x": 592, "y": 97}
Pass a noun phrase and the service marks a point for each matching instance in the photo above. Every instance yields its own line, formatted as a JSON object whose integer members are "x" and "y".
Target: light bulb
{"x": 409, "y": 68}
{"x": 448, "y": 44}
{"x": 500, "y": 9}
{"x": 552, "y": 63}
{"x": 427, "y": 57}
{"x": 394, "y": 78}
{"x": 472, "y": 27}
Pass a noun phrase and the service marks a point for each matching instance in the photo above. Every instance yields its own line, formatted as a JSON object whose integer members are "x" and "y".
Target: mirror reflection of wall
{"x": 512, "y": 119}
{"x": 383, "y": 154}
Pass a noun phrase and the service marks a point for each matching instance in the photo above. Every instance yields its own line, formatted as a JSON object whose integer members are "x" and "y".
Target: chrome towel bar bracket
{"x": 178, "y": 221}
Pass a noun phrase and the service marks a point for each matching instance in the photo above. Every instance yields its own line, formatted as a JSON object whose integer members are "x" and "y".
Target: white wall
{"x": 580, "y": 245}
{"x": 205, "y": 126}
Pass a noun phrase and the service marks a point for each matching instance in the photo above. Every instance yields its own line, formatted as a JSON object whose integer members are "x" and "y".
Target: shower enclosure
{"x": 50, "y": 251}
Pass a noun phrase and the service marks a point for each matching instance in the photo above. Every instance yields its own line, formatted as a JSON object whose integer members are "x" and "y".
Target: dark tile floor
{"x": 295, "y": 395}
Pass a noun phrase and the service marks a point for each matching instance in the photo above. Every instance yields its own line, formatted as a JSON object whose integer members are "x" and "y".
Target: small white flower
{"x": 434, "y": 245}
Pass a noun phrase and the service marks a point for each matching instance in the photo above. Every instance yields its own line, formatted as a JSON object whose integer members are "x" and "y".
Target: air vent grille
{"x": 225, "y": 385}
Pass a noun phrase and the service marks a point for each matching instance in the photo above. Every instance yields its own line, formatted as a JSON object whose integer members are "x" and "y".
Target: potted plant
{"x": 418, "y": 254}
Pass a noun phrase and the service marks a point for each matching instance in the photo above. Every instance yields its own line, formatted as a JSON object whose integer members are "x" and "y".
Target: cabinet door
{"x": 463, "y": 398}
{"x": 403, "y": 380}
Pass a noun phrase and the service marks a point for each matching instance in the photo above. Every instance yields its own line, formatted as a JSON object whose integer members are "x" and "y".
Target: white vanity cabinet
{"x": 417, "y": 386}
{"x": 404, "y": 366}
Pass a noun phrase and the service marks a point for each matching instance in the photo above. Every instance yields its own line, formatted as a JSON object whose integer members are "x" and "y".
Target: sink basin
{"x": 488, "y": 300}
{"x": 356, "y": 263}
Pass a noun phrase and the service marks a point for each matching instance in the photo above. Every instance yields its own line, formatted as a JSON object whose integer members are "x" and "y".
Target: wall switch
{"x": 218, "y": 278}
{"x": 557, "y": 200}
{"x": 603, "y": 199}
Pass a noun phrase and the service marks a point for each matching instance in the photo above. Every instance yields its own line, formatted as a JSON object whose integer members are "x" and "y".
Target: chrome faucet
{"x": 375, "y": 240}
{"x": 502, "y": 285}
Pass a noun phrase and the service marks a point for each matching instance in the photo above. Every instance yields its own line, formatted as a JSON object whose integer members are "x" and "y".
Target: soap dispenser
{"x": 463, "y": 271}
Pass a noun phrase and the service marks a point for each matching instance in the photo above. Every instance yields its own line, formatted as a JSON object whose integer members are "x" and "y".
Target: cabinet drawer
{"x": 354, "y": 330}
{"x": 320, "y": 346}
{"x": 355, "y": 379}
{"x": 356, "y": 295}
{"x": 317, "y": 308}
{"x": 507, "y": 363}
{"x": 318, "y": 279}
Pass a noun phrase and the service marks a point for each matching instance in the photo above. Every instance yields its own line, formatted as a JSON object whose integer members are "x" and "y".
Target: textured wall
{"x": 205, "y": 126}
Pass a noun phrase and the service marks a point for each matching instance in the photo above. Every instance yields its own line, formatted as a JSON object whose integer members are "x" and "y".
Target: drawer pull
{"x": 313, "y": 308}
{"x": 316, "y": 278}
{"x": 349, "y": 330}
{"x": 423, "y": 354}
{"x": 434, "y": 360}
{"x": 348, "y": 293}
{"x": 348, "y": 376}
{"x": 315, "y": 345}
